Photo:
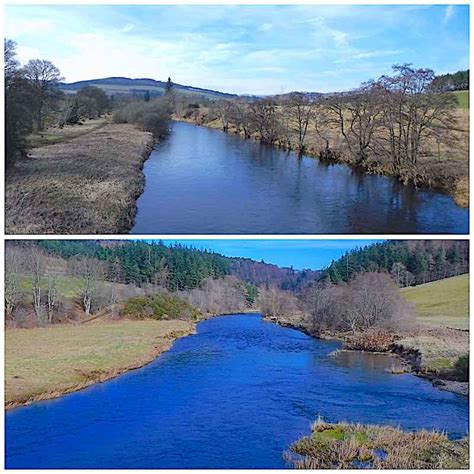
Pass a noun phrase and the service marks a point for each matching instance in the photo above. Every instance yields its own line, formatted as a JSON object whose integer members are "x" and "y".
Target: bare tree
{"x": 264, "y": 119}
{"x": 300, "y": 111}
{"x": 224, "y": 111}
{"x": 89, "y": 271}
{"x": 36, "y": 265}
{"x": 241, "y": 117}
{"x": 275, "y": 302}
{"x": 51, "y": 295}
{"x": 413, "y": 114}
{"x": 217, "y": 296}
{"x": 12, "y": 282}
{"x": 317, "y": 303}
{"x": 43, "y": 77}
{"x": 358, "y": 116}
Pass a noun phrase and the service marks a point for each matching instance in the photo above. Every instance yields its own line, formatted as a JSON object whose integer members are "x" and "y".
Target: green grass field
{"x": 46, "y": 362}
{"x": 68, "y": 287}
{"x": 443, "y": 302}
{"x": 463, "y": 99}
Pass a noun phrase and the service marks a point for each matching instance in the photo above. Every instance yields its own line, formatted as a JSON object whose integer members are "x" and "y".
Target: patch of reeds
{"x": 352, "y": 446}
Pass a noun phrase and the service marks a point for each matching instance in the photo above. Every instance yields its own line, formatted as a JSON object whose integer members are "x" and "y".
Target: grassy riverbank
{"x": 445, "y": 169}
{"x": 346, "y": 446}
{"x": 86, "y": 182}
{"x": 441, "y": 335}
{"x": 46, "y": 363}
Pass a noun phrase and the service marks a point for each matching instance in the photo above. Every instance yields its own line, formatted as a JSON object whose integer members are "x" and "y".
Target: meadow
{"x": 48, "y": 362}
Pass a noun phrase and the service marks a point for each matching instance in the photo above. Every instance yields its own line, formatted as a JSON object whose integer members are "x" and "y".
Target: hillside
{"x": 186, "y": 267}
{"x": 443, "y": 302}
{"x": 462, "y": 98}
{"x": 125, "y": 86}
{"x": 410, "y": 262}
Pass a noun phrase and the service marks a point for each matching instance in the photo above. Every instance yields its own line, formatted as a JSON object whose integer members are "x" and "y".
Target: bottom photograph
{"x": 237, "y": 353}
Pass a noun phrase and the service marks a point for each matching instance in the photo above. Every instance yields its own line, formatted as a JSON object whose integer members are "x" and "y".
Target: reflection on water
{"x": 202, "y": 181}
{"x": 234, "y": 395}
{"x": 367, "y": 360}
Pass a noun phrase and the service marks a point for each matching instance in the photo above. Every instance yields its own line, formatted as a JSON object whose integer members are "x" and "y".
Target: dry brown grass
{"x": 349, "y": 446}
{"x": 55, "y": 134}
{"x": 48, "y": 362}
{"x": 439, "y": 348}
{"x": 84, "y": 185}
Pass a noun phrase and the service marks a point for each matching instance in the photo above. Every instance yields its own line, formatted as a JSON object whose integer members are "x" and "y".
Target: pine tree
{"x": 169, "y": 86}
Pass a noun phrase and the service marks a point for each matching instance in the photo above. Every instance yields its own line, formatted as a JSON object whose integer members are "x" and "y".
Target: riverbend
{"x": 234, "y": 395}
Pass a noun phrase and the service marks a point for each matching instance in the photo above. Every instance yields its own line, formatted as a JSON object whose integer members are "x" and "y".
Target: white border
{"x": 232, "y": 236}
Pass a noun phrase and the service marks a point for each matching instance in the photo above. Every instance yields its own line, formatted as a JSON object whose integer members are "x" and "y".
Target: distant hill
{"x": 116, "y": 86}
{"x": 187, "y": 266}
{"x": 262, "y": 273}
{"x": 458, "y": 81}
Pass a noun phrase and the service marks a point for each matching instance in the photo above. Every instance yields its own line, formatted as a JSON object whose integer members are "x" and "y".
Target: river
{"x": 203, "y": 181}
{"x": 234, "y": 395}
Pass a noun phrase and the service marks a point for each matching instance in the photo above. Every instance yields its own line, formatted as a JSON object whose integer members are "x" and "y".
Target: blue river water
{"x": 234, "y": 395}
{"x": 203, "y": 181}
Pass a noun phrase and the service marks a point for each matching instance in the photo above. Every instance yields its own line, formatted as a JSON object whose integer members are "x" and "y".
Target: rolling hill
{"x": 126, "y": 86}
{"x": 443, "y": 302}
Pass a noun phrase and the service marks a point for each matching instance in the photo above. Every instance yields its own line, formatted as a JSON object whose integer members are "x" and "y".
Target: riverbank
{"x": 46, "y": 363}
{"x": 425, "y": 351}
{"x": 86, "y": 182}
{"x": 445, "y": 170}
{"x": 349, "y": 446}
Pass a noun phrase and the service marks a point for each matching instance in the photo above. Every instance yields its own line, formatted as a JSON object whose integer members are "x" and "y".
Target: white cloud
{"x": 247, "y": 49}
{"x": 448, "y": 14}
{"x": 265, "y": 27}
{"x": 127, "y": 28}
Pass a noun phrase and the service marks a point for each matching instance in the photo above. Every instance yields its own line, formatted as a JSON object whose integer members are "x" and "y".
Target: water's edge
{"x": 105, "y": 376}
{"x": 438, "y": 185}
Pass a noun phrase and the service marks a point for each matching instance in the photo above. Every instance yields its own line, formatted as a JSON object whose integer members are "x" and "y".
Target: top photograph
{"x": 237, "y": 119}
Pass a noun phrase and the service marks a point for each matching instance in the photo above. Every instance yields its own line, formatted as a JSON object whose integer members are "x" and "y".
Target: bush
{"x": 151, "y": 116}
{"x": 371, "y": 340}
{"x": 160, "y": 306}
{"x": 461, "y": 368}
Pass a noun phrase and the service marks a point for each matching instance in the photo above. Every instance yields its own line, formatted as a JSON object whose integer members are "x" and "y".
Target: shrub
{"x": 160, "y": 306}
{"x": 461, "y": 368}
{"x": 371, "y": 340}
{"x": 151, "y": 116}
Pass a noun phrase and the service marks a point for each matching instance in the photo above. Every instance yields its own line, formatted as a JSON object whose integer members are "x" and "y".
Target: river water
{"x": 234, "y": 395}
{"x": 203, "y": 181}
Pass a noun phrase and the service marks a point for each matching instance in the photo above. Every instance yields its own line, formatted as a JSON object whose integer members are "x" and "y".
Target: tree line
{"x": 47, "y": 282}
{"x": 397, "y": 117}
{"x": 357, "y": 292}
{"x": 174, "y": 267}
{"x": 409, "y": 263}
{"x": 459, "y": 81}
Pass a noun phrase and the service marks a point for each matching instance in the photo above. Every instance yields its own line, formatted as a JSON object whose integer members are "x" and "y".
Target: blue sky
{"x": 313, "y": 254}
{"x": 243, "y": 49}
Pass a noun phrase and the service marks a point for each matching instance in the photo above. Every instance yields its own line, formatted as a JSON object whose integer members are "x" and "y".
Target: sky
{"x": 301, "y": 254}
{"x": 245, "y": 49}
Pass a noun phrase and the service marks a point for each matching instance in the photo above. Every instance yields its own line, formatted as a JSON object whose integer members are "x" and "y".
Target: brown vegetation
{"x": 88, "y": 185}
{"x": 397, "y": 126}
{"x": 350, "y": 446}
{"x": 371, "y": 340}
